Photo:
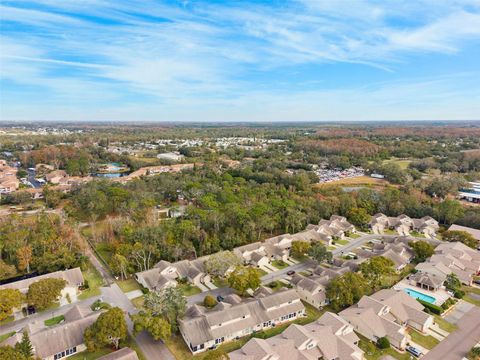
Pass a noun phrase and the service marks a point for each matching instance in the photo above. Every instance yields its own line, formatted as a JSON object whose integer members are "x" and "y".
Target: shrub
{"x": 383, "y": 343}
{"x": 459, "y": 294}
{"x": 435, "y": 309}
{"x": 209, "y": 301}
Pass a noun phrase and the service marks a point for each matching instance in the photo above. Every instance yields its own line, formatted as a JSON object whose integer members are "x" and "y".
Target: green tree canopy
{"x": 346, "y": 290}
{"x": 299, "y": 248}
{"x": 109, "y": 329}
{"x": 169, "y": 303}
{"x": 244, "y": 278}
{"x": 156, "y": 325}
{"x": 375, "y": 268}
{"x": 461, "y": 236}
{"x": 9, "y": 299}
{"x": 219, "y": 263}
{"x": 422, "y": 250}
{"x": 9, "y": 353}
{"x": 319, "y": 252}
{"x": 45, "y": 292}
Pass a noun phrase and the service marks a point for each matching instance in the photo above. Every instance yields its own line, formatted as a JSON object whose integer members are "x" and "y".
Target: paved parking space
{"x": 458, "y": 311}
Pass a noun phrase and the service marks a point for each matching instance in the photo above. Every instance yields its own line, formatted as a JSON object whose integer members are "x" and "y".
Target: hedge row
{"x": 435, "y": 309}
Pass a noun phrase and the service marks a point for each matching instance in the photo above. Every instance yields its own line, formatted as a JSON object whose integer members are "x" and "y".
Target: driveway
{"x": 280, "y": 274}
{"x": 458, "y": 343}
{"x": 458, "y": 311}
{"x": 198, "y": 298}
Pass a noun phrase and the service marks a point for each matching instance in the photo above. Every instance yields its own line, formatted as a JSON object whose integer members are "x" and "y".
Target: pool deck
{"x": 440, "y": 296}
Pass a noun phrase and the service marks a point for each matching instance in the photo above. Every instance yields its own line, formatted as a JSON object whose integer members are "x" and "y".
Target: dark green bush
{"x": 383, "y": 343}
{"x": 435, "y": 309}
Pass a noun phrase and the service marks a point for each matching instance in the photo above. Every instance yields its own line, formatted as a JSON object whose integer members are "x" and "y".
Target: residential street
{"x": 458, "y": 343}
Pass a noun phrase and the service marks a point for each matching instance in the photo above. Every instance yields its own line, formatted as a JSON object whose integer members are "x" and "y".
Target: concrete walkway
{"x": 134, "y": 294}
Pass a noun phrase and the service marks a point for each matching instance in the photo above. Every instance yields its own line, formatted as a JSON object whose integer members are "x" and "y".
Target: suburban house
{"x": 73, "y": 277}
{"x": 253, "y": 254}
{"x": 123, "y": 354}
{"x": 474, "y": 232}
{"x": 59, "y": 341}
{"x": 164, "y": 273}
{"x": 431, "y": 281}
{"x": 453, "y": 257}
{"x": 403, "y": 224}
{"x": 426, "y": 225}
{"x": 330, "y": 337}
{"x": 311, "y": 289}
{"x": 400, "y": 254}
{"x": 373, "y": 319}
{"x": 234, "y": 317}
{"x": 56, "y": 177}
{"x": 404, "y": 309}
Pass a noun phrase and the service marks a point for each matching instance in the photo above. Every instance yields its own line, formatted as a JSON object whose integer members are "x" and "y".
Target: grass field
{"x": 444, "y": 324}
{"x": 54, "y": 321}
{"x": 279, "y": 264}
{"x": 4, "y": 337}
{"x": 95, "y": 281}
{"x": 427, "y": 341}
{"x": 400, "y": 162}
{"x": 7, "y": 320}
{"x": 129, "y": 342}
{"x": 374, "y": 353}
{"x": 188, "y": 289}
{"x": 138, "y": 302}
{"x": 128, "y": 285}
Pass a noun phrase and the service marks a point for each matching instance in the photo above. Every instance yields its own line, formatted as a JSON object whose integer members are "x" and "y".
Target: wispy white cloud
{"x": 204, "y": 53}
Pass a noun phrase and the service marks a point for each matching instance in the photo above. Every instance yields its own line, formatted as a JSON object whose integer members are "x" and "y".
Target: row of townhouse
{"x": 73, "y": 277}
{"x": 403, "y": 225}
{"x": 256, "y": 254}
{"x": 329, "y": 338}
{"x": 312, "y": 289}
{"x": 65, "y": 339}
{"x": 454, "y": 257}
{"x": 278, "y": 247}
{"x": 387, "y": 313}
{"x": 165, "y": 273}
{"x": 236, "y": 317}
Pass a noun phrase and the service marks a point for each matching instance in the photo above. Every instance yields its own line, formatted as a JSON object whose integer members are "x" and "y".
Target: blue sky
{"x": 301, "y": 60}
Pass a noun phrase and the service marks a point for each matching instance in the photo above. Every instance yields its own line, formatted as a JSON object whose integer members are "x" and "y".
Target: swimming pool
{"x": 420, "y": 296}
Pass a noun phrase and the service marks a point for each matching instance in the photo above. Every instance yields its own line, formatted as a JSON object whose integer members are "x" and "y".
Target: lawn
{"x": 95, "y": 281}
{"x": 219, "y": 282}
{"x": 85, "y": 355}
{"x": 354, "y": 236}
{"x": 189, "y": 290}
{"x": 262, "y": 272}
{"x": 180, "y": 350}
{"x": 7, "y": 320}
{"x": 427, "y": 341}
{"x": 275, "y": 285}
{"x": 444, "y": 324}
{"x": 54, "y": 320}
{"x": 6, "y": 336}
{"x": 390, "y": 232}
{"x": 402, "y": 163}
{"x": 279, "y": 264}
{"x": 342, "y": 242}
{"x": 128, "y": 285}
{"x": 138, "y": 302}
{"x": 377, "y": 353}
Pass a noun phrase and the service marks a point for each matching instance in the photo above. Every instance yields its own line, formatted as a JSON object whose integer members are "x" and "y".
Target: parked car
{"x": 220, "y": 298}
{"x": 476, "y": 282}
{"x": 414, "y": 351}
{"x": 291, "y": 272}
